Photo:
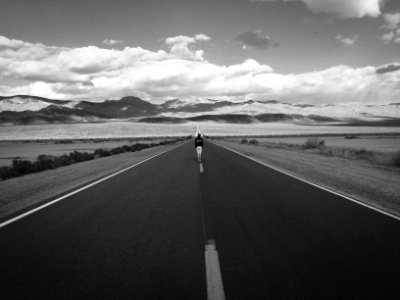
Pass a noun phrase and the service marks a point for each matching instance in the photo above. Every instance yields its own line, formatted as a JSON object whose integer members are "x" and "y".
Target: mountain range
{"x": 28, "y": 110}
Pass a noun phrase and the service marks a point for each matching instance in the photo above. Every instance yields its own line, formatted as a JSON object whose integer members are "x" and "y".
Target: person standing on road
{"x": 198, "y": 144}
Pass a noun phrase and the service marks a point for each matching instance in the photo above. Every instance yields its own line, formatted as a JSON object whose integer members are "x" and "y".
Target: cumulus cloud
{"x": 65, "y": 73}
{"x": 10, "y": 43}
{"x": 340, "y": 8}
{"x": 179, "y": 45}
{"x": 391, "y": 20}
{"x": 346, "y": 41}
{"x": 255, "y": 39}
{"x": 388, "y": 37}
{"x": 112, "y": 42}
{"x": 392, "y": 23}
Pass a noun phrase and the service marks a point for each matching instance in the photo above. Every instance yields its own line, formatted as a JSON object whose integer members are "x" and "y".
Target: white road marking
{"x": 215, "y": 288}
{"x": 316, "y": 185}
{"x": 12, "y": 220}
{"x": 201, "y": 168}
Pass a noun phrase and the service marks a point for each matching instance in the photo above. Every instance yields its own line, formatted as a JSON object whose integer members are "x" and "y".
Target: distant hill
{"x": 126, "y": 107}
{"x": 27, "y": 110}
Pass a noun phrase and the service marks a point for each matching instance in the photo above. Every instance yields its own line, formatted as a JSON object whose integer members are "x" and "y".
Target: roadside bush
{"x": 117, "y": 150}
{"x": 63, "y": 160}
{"x": 363, "y": 154}
{"x": 396, "y": 159}
{"x": 139, "y": 146}
{"x": 22, "y": 167}
{"x": 44, "y": 162}
{"x": 64, "y": 142}
{"x": 126, "y": 148}
{"x": 244, "y": 141}
{"x": 350, "y": 136}
{"x": 313, "y": 143}
{"x": 101, "y": 153}
{"x": 77, "y": 156}
{"x": 253, "y": 142}
{"x": 351, "y": 153}
{"x": 5, "y": 172}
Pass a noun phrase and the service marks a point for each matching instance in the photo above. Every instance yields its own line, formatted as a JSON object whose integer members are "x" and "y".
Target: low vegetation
{"x": 21, "y": 167}
{"x": 253, "y": 142}
{"x": 250, "y": 142}
{"x": 314, "y": 143}
{"x": 318, "y": 146}
{"x": 350, "y": 136}
{"x": 396, "y": 159}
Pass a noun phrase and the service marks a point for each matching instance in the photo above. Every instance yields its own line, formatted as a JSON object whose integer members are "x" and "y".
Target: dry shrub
{"x": 350, "y": 136}
{"x": 396, "y": 159}
{"x": 253, "y": 142}
{"x": 313, "y": 143}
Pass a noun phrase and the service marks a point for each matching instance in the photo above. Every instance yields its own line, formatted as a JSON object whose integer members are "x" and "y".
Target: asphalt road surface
{"x": 142, "y": 235}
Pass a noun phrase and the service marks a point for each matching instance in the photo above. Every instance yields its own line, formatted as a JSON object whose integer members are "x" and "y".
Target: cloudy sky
{"x": 310, "y": 51}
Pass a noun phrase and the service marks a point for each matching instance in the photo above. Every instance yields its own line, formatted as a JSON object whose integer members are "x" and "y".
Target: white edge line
{"x": 12, "y": 220}
{"x": 314, "y": 184}
{"x": 215, "y": 288}
{"x": 201, "y": 168}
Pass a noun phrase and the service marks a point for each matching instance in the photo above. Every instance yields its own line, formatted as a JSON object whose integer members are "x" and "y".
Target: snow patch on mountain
{"x": 22, "y": 104}
{"x": 341, "y": 112}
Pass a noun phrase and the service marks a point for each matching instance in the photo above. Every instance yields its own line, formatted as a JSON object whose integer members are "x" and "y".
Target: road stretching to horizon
{"x": 143, "y": 235}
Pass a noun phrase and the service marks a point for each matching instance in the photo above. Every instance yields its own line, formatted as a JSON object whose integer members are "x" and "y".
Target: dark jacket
{"x": 198, "y": 142}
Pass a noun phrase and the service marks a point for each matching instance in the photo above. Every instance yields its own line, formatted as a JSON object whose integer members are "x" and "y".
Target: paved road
{"x": 142, "y": 235}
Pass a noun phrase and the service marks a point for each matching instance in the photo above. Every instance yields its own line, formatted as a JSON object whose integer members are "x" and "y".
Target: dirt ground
{"x": 377, "y": 185}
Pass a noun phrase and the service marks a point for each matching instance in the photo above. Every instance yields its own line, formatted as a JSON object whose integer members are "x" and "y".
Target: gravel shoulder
{"x": 370, "y": 183}
{"x": 17, "y": 194}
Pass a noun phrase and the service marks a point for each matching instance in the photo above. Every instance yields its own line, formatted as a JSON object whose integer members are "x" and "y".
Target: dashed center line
{"x": 215, "y": 288}
{"x": 201, "y": 168}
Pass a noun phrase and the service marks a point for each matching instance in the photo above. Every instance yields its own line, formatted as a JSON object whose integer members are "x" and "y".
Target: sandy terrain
{"x": 377, "y": 185}
{"x": 21, "y": 192}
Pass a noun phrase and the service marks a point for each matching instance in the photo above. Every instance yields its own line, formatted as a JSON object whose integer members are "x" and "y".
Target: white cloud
{"x": 391, "y": 20}
{"x": 112, "y": 42}
{"x": 59, "y": 72}
{"x": 341, "y": 8}
{"x": 388, "y": 37}
{"x": 346, "y": 41}
{"x": 10, "y": 43}
{"x": 392, "y": 23}
{"x": 179, "y": 45}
